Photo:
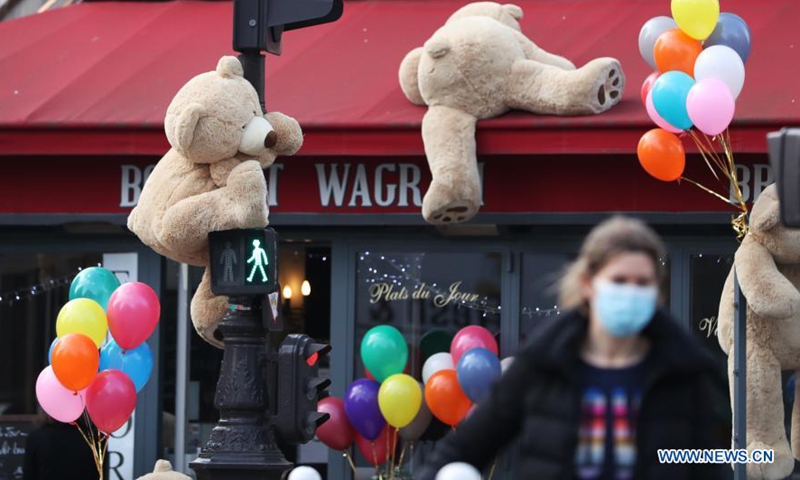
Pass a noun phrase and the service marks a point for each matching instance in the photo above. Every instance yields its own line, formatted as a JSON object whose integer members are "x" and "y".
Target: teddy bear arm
{"x": 534, "y": 52}
{"x": 221, "y": 170}
{"x": 409, "y": 76}
{"x": 769, "y": 293}
{"x": 290, "y": 135}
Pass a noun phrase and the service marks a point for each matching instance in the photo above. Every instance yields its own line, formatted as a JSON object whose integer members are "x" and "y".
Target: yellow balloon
{"x": 400, "y": 399}
{"x": 697, "y": 18}
{"x": 85, "y": 316}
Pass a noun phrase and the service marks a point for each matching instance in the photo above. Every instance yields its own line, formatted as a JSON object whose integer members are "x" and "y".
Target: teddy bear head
{"x": 217, "y": 115}
{"x": 163, "y": 471}
{"x": 507, "y": 14}
{"x": 767, "y": 229}
{"x": 465, "y": 65}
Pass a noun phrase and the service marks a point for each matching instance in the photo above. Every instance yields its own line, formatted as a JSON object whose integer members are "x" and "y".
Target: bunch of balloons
{"x": 90, "y": 370}
{"x": 698, "y": 56}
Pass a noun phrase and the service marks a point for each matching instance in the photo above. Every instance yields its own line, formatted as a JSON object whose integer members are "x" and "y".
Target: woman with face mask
{"x": 600, "y": 388}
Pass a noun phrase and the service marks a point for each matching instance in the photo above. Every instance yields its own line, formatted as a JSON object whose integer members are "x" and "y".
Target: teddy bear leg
{"x": 536, "y": 53}
{"x": 544, "y": 89}
{"x": 455, "y": 191}
{"x": 796, "y": 416}
{"x": 765, "y": 425}
{"x": 207, "y": 311}
{"x": 409, "y": 82}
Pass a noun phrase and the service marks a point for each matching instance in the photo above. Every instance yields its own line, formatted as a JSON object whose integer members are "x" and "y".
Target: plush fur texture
{"x": 205, "y": 183}
{"x": 477, "y": 66}
{"x": 163, "y": 471}
{"x": 768, "y": 267}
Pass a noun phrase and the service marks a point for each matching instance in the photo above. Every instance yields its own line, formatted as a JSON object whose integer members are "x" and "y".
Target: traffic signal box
{"x": 244, "y": 262}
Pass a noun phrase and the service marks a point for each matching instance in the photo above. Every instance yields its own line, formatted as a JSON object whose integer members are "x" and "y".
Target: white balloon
{"x": 648, "y": 35}
{"x": 435, "y": 363}
{"x": 506, "y": 363}
{"x": 304, "y": 473}
{"x": 721, "y": 63}
{"x": 458, "y": 471}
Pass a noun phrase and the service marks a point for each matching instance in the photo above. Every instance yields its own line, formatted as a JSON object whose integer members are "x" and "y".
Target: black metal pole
{"x": 254, "y": 67}
{"x": 739, "y": 375}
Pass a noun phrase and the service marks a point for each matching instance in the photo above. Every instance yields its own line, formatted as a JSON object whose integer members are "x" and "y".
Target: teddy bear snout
{"x": 257, "y": 137}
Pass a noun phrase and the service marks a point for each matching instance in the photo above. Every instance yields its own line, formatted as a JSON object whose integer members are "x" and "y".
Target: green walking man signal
{"x": 243, "y": 262}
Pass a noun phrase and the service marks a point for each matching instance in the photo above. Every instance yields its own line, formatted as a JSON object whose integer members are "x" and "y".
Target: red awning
{"x": 96, "y": 78}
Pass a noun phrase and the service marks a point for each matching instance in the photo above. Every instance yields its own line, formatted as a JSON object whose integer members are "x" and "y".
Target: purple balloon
{"x": 363, "y": 411}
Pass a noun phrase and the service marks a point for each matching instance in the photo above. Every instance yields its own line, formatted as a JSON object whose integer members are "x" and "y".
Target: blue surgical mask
{"x": 624, "y": 310}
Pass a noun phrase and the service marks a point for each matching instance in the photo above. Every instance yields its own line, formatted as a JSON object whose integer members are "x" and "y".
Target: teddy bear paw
{"x": 608, "y": 85}
{"x": 780, "y": 468}
{"x": 248, "y": 193}
{"x": 440, "y": 207}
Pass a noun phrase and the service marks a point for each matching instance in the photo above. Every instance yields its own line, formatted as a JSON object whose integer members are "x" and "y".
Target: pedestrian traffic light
{"x": 299, "y": 388}
{"x": 243, "y": 262}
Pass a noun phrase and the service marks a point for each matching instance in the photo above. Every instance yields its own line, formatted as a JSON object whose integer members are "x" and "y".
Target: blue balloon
{"x": 731, "y": 31}
{"x": 136, "y": 363}
{"x": 50, "y": 353}
{"x": 669, "y": 98}
{"x": 477, "y": 371}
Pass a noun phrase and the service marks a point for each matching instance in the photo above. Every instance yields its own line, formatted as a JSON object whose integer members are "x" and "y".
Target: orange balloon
{"x": 76, "y": 360}
{"x": 661, "y": 154}
{"x": 445, "y": 398}
{"x": 675, "y": 50}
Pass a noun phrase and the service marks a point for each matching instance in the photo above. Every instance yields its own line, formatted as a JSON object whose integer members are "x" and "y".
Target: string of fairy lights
{"x": 22, "y": 294}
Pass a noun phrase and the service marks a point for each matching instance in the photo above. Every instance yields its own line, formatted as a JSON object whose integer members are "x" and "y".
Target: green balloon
{"x": 384, "y": 352}
{"x": 95, "y": 283}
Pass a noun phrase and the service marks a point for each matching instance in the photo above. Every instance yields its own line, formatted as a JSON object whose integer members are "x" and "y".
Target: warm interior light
{"x": 287, "y": 292}
{"x": 305, "y": 289}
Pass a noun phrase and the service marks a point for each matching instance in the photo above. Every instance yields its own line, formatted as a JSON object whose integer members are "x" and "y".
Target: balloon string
{"x": 708, "y": 190}
{"x": 394, "y": 454}
{"x": 402, "y": 455}
{"x": 375, "y": 457}
{"x": 491, "y": 472}
{"x": 352, "y": 465}
{"x": 706, "y": 157}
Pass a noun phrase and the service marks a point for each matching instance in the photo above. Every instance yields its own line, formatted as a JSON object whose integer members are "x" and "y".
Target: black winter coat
{"x": 539, "y": 400}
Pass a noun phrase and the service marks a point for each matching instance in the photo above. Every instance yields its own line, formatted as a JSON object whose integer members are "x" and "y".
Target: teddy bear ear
{"x": 766, "y": 211}
{"x": 513, "y": 10}
{"x": 229, "y": 67}
{"x": 184, "y": 126}
{"x": 437, "y": 47}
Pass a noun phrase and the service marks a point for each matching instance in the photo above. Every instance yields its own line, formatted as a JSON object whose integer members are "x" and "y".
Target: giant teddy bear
{"x": 767, "y": 265}
{"x": 477, "y": 66}
{"x": 212, "y": 178}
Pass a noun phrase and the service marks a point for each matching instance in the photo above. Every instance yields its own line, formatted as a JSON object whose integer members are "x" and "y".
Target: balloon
{"x": 661, "y": 154}
{"x": 477, "y": 371}
{"x": 697, "y": 18}
{"x": 50, "y": 352}
{"x": 472, "y": 337}
{"x": 710, "y": 106}
{"x": 414, "y": 430}
{"x": 75, "y": 361}
{"x": 722, "y": 63}
{"x": 110, "y": 400}
{"x": 384, "y": 351}
{"x": 399, "y": 399}
{"x": 445, "y": 398}
{"x": 58, "y": 402}
{"x": 133, "y": 312}
{"x": 304, "y": 473}
{"x": 506, "y": 363}
{"x": 94, "y": 283}
{"x": 669, "y": 98}
{"x": 647, "y": 85}
{"x": 437, "y": 362}
{"x": 337, "y": 433}
{"x": 675, "y": 50}
{"x": 83, "y": 316}
{"x": 731, "y": 31}
{"x": 458, "y": 471}
{"x": 136, "y": 363}
{"x": 362, "y": 408}
{"x": 433, "y": 342}
{"x": 651, "y": 30}
{"x": 656, "y": 118}
{"x": 377, "y": 451}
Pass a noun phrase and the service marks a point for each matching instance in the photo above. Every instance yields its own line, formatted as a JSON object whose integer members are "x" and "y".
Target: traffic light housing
{"x": 243, "y": 262}
{"x": 784, "y": 154}
{"x": 299, "y": 388}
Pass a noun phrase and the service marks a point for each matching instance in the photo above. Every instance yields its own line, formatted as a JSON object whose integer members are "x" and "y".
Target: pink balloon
{"x": 656, "y": 118}
{"x": 647, "y": 85}
{"x": 58, "y": 402}
{"x": 710, "y": 105}
{"x": 133, "y": 312}
{"x": 471, "y": 337}
{"x": 110, "y": 400}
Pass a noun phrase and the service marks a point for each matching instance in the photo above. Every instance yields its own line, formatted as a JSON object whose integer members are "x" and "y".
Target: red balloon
{"x": 133, "y": 312}
{"x": 110, "y": 400}
{"x": 648, "y": 85}
{"x": 337, "y": 433}
{"x": 377, "y": 452}
{"x": 471, "y": 337}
